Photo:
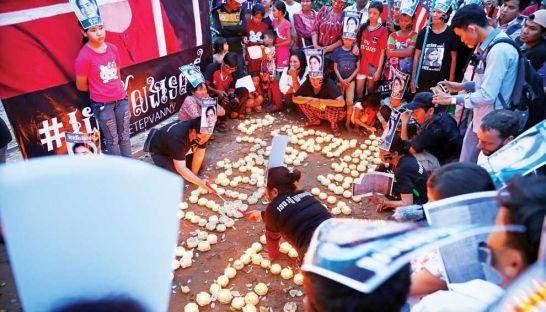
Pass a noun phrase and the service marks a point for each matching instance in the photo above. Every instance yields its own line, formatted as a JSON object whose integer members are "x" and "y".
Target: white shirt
{"x": 286, "y": 82}
{"x": 475, "y": 295}
{"x": 293, "y": 9}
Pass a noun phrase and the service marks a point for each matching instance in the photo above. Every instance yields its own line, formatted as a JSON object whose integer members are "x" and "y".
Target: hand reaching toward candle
{"x": 254, "y": 215}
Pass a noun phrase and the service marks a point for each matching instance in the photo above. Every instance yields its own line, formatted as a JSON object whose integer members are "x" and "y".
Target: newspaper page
{"x": 460, "y": 259}
{"x": 373, "y": 182}
{"x": 362, "y": 254}
{"x": 521, "y": 156}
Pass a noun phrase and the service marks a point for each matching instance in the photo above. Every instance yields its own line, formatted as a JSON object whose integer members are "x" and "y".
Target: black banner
{"x": 153, "y": 45}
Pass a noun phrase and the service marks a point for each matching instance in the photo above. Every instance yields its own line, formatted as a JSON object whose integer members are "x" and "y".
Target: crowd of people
{"x": 454, "y": 84}
{"x": 446, "y": 95}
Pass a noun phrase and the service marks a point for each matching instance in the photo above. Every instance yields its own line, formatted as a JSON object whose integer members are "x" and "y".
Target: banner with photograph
{"x": 209, "y": 115}
{"x": 87, "y": 11}
{"x": 315, "y": 62}
{"x": 362, "y": 254}
{"x": 37, "y": 86}
{"x": 351, "y": 24}
{"x": 520, "y": 156}
{"x": 83, "y": 143}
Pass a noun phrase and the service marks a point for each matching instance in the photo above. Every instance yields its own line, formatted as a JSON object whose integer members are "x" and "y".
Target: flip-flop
{"x": 336, "y": 132}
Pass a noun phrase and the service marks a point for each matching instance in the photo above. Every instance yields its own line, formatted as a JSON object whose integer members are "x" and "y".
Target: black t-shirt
{"x": 411, "y": 178}
{"x": 230, "y": 25}
{"x": 295, "y": 216}
{"x": 437, "y": 56}
{"x": 537, "y": 54}
{"x": 172, "y": 140}
{"x": 440, "y": 136}
{"x": 328, "y": 90}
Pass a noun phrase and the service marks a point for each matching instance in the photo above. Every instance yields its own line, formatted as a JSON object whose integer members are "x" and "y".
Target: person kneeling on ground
{"x": 410, "y": 177}
{"x": 169, "y": 147}
{"x": 320, "y": 99}
{"x": 292, "y": 213}
{"x": 438, "y": 133}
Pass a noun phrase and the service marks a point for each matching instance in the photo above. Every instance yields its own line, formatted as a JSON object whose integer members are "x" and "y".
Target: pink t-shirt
{"x": 101, "y": 70}
{"x": 283, "y": 53}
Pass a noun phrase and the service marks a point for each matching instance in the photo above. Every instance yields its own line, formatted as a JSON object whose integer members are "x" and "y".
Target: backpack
{"x": 528, "y": 98}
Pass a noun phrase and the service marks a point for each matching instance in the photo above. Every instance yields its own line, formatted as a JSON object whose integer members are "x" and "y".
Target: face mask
{"x": 485, "y": 256}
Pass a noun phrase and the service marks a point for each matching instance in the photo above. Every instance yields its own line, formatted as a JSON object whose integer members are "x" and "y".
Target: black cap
{"x": 421, "y": 100}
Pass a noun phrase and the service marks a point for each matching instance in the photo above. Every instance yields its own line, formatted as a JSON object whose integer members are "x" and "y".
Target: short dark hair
{"x": 371, "y": 100}
{"x": 459, "y": 178}
{"x": 270, "y": 33}
{"x": 282, "y": 179}
{"x": 218, "y": 45}
{"x": 258, "y": 8}
{"x": 324, "y": 294}
{"x": 522, "y": 4}
{"x": 525, "y": 199}
{"x": 230, "y": 59}
{"x": 399, "y": 145}
{"x": 468, "y": 15}
{"x": 506, "y": 122}
{"x": 376, "y": 5}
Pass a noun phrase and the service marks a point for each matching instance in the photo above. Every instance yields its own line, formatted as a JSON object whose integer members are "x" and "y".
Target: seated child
{"x": 365, "y": 116}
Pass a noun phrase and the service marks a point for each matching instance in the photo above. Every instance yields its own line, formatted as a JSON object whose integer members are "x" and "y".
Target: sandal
{"x": 258, "y": 109}
{"x": 336, "y": 132}
{"x": 248, "y": 110}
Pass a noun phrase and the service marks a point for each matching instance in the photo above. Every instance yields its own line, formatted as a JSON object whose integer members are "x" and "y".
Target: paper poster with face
{"x": 87, "y": 11}
{"x": 520, "y": 156}
{"x": 83, "y": 143}
{"x": 351, "y": 23}
{"x": 388, "y": 135}
{"x": 315, "y": 62}
{"x": 363, "y": 254}
{"x": 408, "y": 7}
{"x": 399, "y": 84}
{"x": 193, "y": 75}
{"x": 209, "y": 114}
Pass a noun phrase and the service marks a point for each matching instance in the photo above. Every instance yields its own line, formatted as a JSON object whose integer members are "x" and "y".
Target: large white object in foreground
{"x": 89, "y": 227}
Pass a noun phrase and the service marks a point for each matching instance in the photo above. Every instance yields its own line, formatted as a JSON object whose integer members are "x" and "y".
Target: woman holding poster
{"x": 98, "y": 71}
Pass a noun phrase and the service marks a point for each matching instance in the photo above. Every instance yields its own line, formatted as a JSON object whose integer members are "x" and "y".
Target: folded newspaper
{"x": 373, "y": 182}
{"x": 522, "y": 155}
{"x": 362, "y": 254}
{"x": 459, "y": 258}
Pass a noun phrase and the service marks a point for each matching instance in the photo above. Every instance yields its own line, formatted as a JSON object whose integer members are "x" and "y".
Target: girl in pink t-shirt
{"x": 97, "y": 71}
{"x": 284, "y": 37}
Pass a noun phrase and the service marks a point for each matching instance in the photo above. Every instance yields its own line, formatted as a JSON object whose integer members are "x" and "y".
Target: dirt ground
{"x": 207, "y": 266}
